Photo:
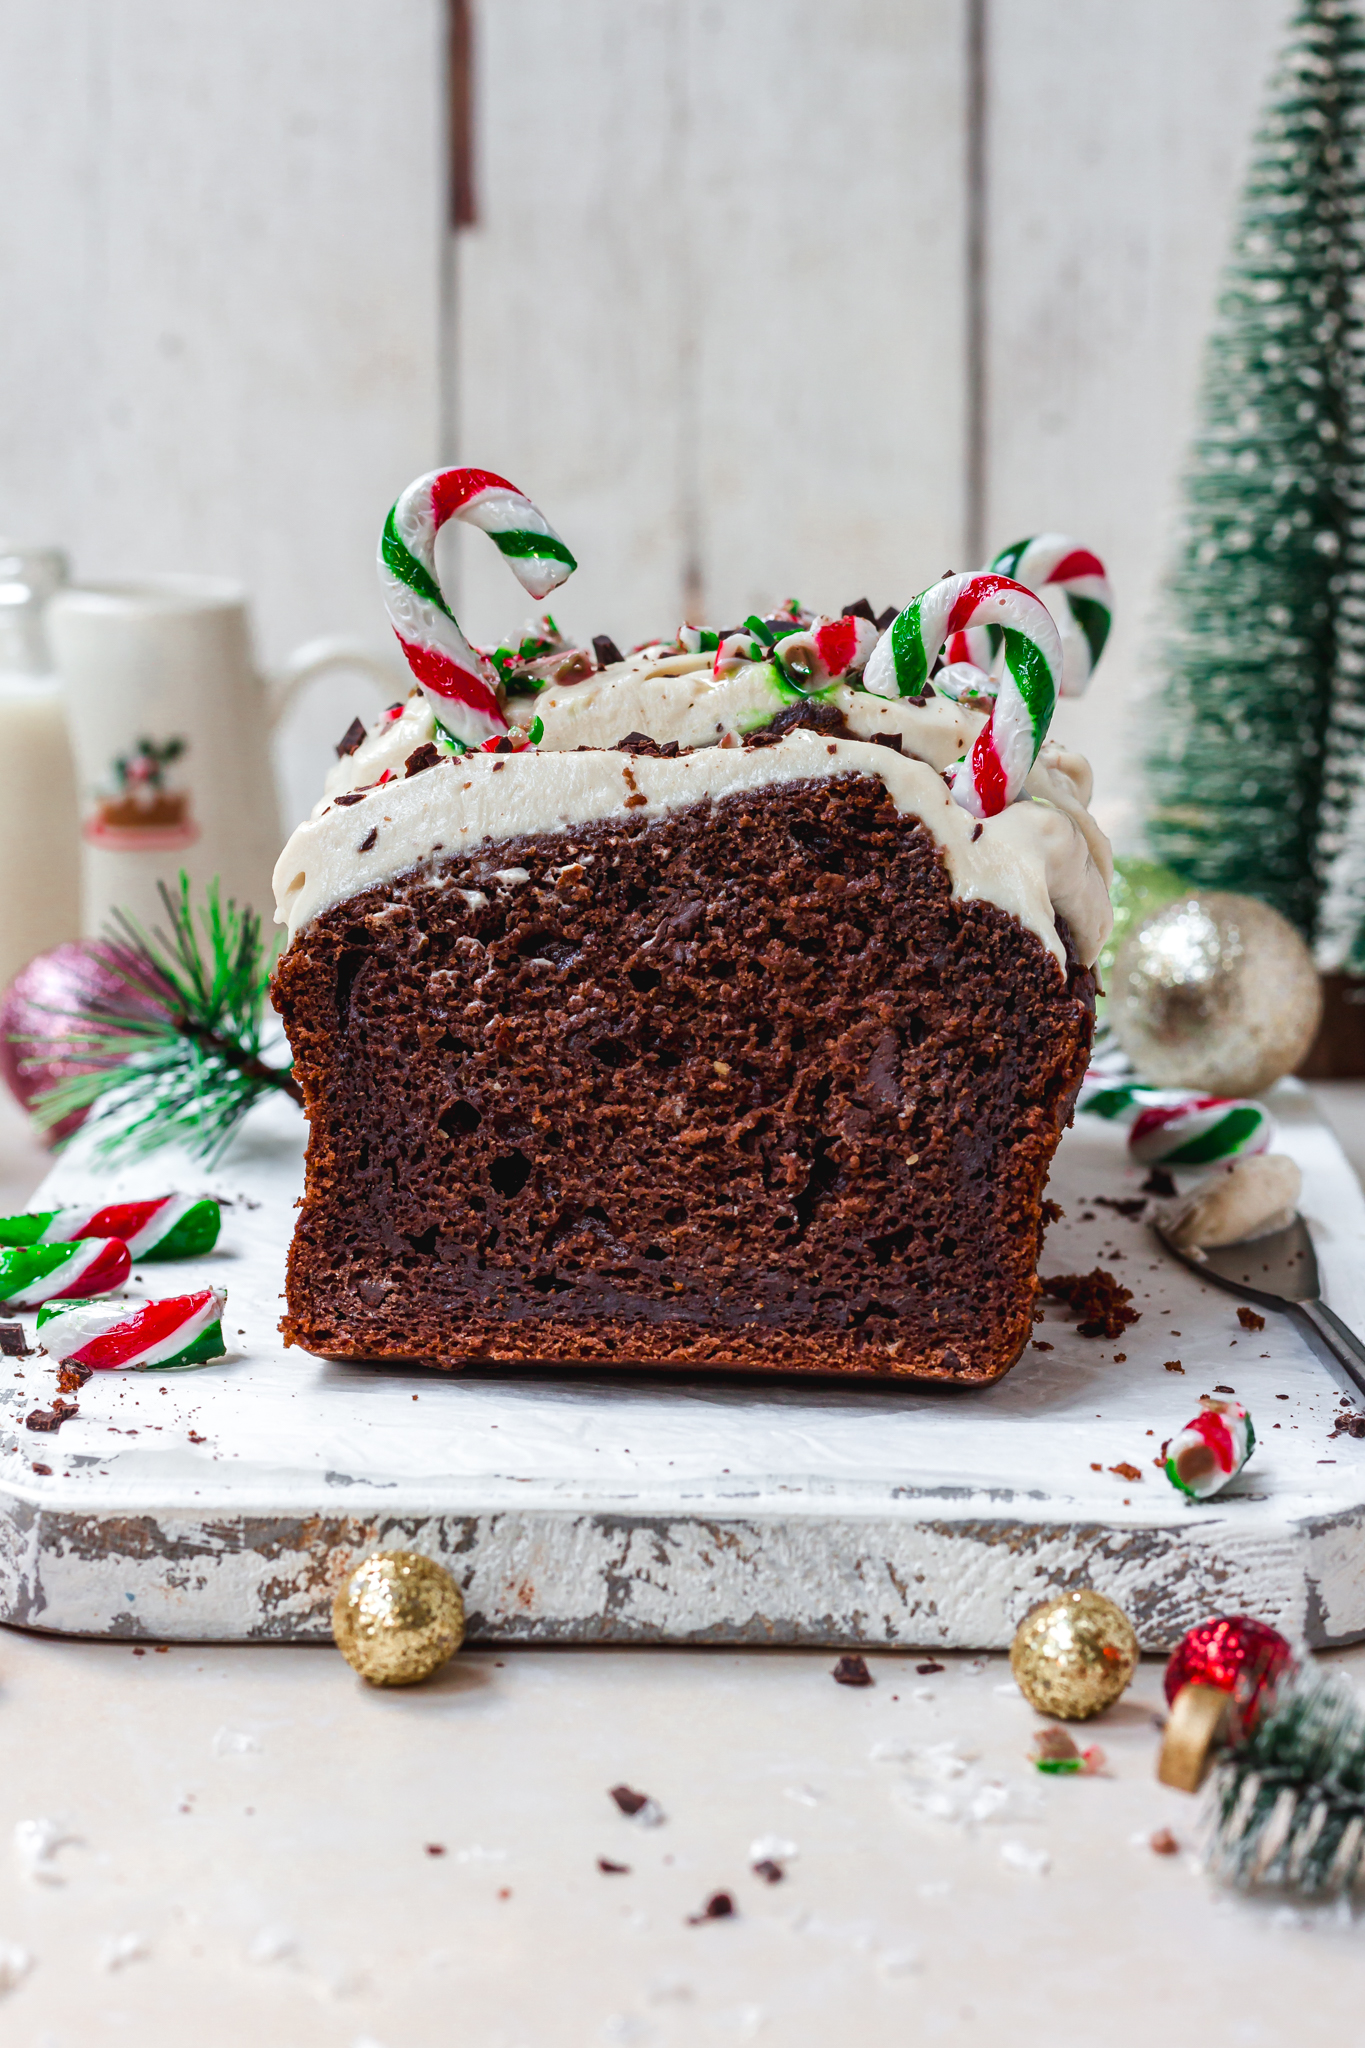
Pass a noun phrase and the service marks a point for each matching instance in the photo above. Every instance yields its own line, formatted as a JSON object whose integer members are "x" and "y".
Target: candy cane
{"x": 123, "y": 1336}
{"x": 174, "y": 1227}
{"x": 32, "y": 1274}
{"x": 830, "y": 649}
{"x": 458, "y": 682}
{"x": 1200, "y": 1132}
{"x": 1073, "y": 585}
{"x": 993, "y": 773}
{"x": 1210, "y": 1450}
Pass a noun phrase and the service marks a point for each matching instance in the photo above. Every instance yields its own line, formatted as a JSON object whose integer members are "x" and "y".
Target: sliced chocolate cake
{"x": 711, "y": 1030}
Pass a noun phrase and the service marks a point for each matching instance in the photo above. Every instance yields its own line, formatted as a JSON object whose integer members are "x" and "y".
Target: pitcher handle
{"x": 332, "y": 650}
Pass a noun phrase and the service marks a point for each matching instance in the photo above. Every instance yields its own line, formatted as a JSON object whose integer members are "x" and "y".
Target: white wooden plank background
{"x": 711, "y": 315}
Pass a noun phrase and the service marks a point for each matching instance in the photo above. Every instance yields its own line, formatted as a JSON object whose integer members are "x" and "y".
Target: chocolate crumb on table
{"x": 1164, "y": 1843}
{"x": 851, "y": 1670}
{"x": 629, "y": 1801}
{"x": 610, "y": 1869}
{"x": 1126, "y": 1471}
{"x": 435, "y": 1848}
{"x": 1159, "y": 1182}
{"x": 1173, "y": 1365}
{"x": 768, "y": 1870}
{"x": 1097, "y": 1298}
{"x": 1130, "y": 1206}
{"x": 1249, "y": 1319}
{"x": 50, "y": 1419}
{"x": 72, "y": 1377}
{"x": 1053, "y": 1212}
{"x": 720, "y": 1906}
{"x": 923, "y": 1670}
{"x": 13, "y": 1343}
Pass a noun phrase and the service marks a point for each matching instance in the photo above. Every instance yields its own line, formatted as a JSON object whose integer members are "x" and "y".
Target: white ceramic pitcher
{"x": 171, "y": 724}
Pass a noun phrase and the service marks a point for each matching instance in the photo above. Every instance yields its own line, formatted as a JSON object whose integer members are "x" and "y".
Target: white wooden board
{"x": 628, "y": 1509}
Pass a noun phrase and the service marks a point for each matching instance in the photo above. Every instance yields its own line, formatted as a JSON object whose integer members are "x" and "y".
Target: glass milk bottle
{"x": 40, "y": 875}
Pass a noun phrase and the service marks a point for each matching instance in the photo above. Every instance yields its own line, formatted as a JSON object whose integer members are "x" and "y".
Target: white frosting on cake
{"x": 1038, "y": 860}
{"x": 671, "y": 697}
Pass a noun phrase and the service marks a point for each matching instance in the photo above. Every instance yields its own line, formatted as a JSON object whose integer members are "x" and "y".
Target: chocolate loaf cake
{"x": 751, "y": 1054}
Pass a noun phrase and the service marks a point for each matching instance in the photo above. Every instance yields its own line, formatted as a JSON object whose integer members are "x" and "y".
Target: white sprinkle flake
{"x": 15, "y": 1964}
{"x": 36, "y": 1843}
{"x": 511, "y": 878}
{"x": 1018, "y": 1856}
{"x": 772, "y": 1849}
{"x": 737, "y": 2022}
{"x": 624, "y": 2026}
{"x": 234, "y": 1742}
{"x": 272, "y": 1945}
{"x": 803, "y": 1795}
{"x": 118, "y": 1950}
{"x": 898, "y": 1962}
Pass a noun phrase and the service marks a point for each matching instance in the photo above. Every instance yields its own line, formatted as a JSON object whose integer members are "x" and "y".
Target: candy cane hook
{"x": 458, "y": 683}
{"x": 993, "y": 774}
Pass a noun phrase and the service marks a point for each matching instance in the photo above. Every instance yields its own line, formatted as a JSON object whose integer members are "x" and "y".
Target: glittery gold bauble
{"x": 1074, "y": 1655}
{"x": 1217, "y": 993}
{"x": 398, "y": 1618}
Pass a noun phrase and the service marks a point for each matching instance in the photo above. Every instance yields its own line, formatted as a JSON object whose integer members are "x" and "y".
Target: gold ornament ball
{"x": 1215, "y": 992}
{"x": 398, "y": 1618}
{"x": 1074, "y": 1655}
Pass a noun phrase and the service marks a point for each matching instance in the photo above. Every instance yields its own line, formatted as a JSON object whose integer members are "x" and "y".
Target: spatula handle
{"x": 1343, "y": 1344}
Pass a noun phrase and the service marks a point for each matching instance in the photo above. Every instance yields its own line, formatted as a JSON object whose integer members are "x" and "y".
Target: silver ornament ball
{"x": 1215, "y": 992}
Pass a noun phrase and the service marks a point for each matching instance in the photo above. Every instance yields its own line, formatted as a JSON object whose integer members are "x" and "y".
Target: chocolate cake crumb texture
{"x": 1097, "y": 1298}
{"x": 1249, "y": 1319}
{"x": 743, "y": 1087}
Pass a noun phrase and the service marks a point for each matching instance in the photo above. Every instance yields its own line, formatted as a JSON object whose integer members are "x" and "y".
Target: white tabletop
{"x": 249, "y": 1857}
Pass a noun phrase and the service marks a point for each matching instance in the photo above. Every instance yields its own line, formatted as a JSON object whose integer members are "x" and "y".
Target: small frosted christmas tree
{"x": 1260, "y": 728}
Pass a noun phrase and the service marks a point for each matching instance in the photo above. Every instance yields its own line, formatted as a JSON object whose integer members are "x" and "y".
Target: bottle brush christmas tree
{"x": 1261, "y": 721}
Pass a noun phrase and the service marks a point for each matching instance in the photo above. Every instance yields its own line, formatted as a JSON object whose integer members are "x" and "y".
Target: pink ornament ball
{"x": 38, "y": 1005}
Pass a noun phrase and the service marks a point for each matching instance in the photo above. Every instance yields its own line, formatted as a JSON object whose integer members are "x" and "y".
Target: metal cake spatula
{"x": 1280, "y": 1271}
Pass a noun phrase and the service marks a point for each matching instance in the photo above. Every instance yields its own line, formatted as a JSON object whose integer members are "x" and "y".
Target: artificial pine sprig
{"x": 177, "y": 1058}
{"x": 1288, "y": 1799}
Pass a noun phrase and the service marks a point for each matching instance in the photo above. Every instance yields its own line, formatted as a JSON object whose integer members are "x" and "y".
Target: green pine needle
{"x": 1288, "y": 1801}
{"x": 177, "y": 1060}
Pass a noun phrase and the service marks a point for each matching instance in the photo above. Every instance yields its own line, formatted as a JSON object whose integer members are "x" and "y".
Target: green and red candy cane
{"x": 125, "y": 1336}
{"x": 170, "y": 1227}
{"x": 994, "y": 772}
{"x": 458, "y": 682}
{"x": 1200, "y": 1131}
{"x": 1073, "y": 585}
{"x": 35, "y": 1273}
